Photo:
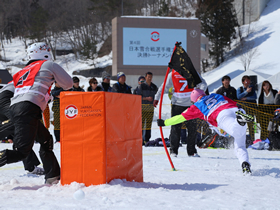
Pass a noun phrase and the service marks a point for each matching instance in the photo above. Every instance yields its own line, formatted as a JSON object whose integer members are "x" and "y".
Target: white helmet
{"x": 39, "y": 51}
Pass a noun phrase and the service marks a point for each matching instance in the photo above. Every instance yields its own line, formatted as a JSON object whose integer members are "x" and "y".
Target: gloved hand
{"x": 160, "y": 122}
{"x": 155, "y": 103}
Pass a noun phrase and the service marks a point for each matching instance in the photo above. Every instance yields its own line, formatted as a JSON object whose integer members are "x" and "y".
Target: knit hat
{"x": 75, "y": 79}
{"x": 105, "y": 75}
{"x": 141, "y": 77}
{"x": 120, "y": 74}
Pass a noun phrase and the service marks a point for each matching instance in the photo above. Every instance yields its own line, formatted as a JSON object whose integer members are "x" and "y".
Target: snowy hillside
{"x": 213, "y": 181}
{"x": 266, "y": 38}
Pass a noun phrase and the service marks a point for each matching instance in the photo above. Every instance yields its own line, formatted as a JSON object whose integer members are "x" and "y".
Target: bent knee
{"x": 47, "y": 145}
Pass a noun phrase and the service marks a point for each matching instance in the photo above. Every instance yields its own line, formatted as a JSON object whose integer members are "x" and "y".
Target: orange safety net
{"x": 46, "y": 117}
{"x": 263, "y": 115}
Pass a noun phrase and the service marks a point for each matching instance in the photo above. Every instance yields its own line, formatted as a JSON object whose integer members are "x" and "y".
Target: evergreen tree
{"x": 164, "y": 8}
{"x": 38, "y": 21}
{"x": 218, "y": 19}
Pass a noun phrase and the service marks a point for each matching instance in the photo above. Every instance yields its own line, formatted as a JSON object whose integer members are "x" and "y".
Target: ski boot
{"x": 242, "y": 118}
{"x": 246, "y": 168}
{"x": 37, "y": 171}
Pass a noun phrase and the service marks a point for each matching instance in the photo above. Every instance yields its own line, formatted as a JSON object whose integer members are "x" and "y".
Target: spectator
{"x": 31, "y": 96}
{"x": 105, "y": 85}
{"x": 226, "y": 89}
{"x": 76, "y": 85}
{"x": 93, "y": 85}
{"x": 56, "y": 110}
{"x": 277, "y": 98}
{"x": 141, "y": 79}
{"x": 147, "y": 90}
{"x": 268, "y": 94}
{"x": 266, "y": 97}
{"x": 121, "y": 86}
{"x": 247, "y": 94}
{"x": 180, "y": 101}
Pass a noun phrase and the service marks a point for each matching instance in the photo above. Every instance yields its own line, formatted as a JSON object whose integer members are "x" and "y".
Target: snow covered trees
{"x": 218, "y": 19}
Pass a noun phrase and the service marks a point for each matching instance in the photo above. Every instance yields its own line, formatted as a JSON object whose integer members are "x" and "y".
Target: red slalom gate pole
{"x": 160, "y": 105}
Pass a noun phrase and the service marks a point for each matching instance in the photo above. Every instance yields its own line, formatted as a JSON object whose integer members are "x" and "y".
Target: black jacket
{"x": 105, "y": 87}
{"x": 277, "y": 99}
{"x": 98, "y": 88}
{"x": 229, "y": 92}
{"x": 5, "y": 102}
{"x": 274, "y": 92}
{"x": 135, "y": 91}
{"x": 56, "y": 91}
{"x": 146, "y": 90}
{"x": 77, "y": 89}
{"x": 119, "y": 88}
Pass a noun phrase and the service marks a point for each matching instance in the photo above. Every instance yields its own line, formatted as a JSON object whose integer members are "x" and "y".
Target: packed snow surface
{"x": 213, "y": 181}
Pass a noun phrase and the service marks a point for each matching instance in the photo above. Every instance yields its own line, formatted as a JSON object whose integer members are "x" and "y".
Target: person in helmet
{"x": 277, "y": 113}
{"x": 219, "y": 111}
{"x": 32, "y": 93}
{"x": 274, "y": 122}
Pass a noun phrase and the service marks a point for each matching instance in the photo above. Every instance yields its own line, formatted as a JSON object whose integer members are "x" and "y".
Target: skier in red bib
{"x": 32, "y": 93}
{"x": 180, "y": 101}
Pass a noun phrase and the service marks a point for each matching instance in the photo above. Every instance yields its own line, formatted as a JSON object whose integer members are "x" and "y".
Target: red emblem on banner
{"x": 155, "y": 36}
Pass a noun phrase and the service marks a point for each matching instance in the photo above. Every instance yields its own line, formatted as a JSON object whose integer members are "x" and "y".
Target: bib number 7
{"x": 184, "y": 84}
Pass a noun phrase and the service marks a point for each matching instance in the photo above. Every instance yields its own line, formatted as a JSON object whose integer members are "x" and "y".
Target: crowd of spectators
{"x": 245, "y": 95}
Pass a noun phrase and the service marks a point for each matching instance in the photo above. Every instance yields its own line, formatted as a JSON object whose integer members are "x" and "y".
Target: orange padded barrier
{"x": 101, "y": 137}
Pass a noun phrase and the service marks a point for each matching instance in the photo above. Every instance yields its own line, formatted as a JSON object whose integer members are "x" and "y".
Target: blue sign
{"x": 151, "y": 46}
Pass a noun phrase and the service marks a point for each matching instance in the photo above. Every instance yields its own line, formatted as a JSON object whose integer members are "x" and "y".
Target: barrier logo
{"x": 155, "y": 36}
{"x": 71, "y": 111}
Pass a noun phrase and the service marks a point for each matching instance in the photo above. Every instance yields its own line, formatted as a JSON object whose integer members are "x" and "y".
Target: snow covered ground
{"x": 213, "y": 181}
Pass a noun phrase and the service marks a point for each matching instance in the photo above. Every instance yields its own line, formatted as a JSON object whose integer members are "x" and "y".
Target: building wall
{"x": 204, "y": 47}
{"x": 134, "y": 71}
{"x": 252, "y": 8}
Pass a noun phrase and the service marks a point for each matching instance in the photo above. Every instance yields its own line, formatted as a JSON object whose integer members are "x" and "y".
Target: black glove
{"x": 160, "y": 122}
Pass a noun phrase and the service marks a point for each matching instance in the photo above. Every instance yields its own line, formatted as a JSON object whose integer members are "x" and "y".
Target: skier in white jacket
{"x": 180, "y": 102}
{"x": 32, "y": 93}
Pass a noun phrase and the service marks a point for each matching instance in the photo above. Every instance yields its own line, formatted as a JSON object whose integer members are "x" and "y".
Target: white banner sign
{"x": 150, "y": 46}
